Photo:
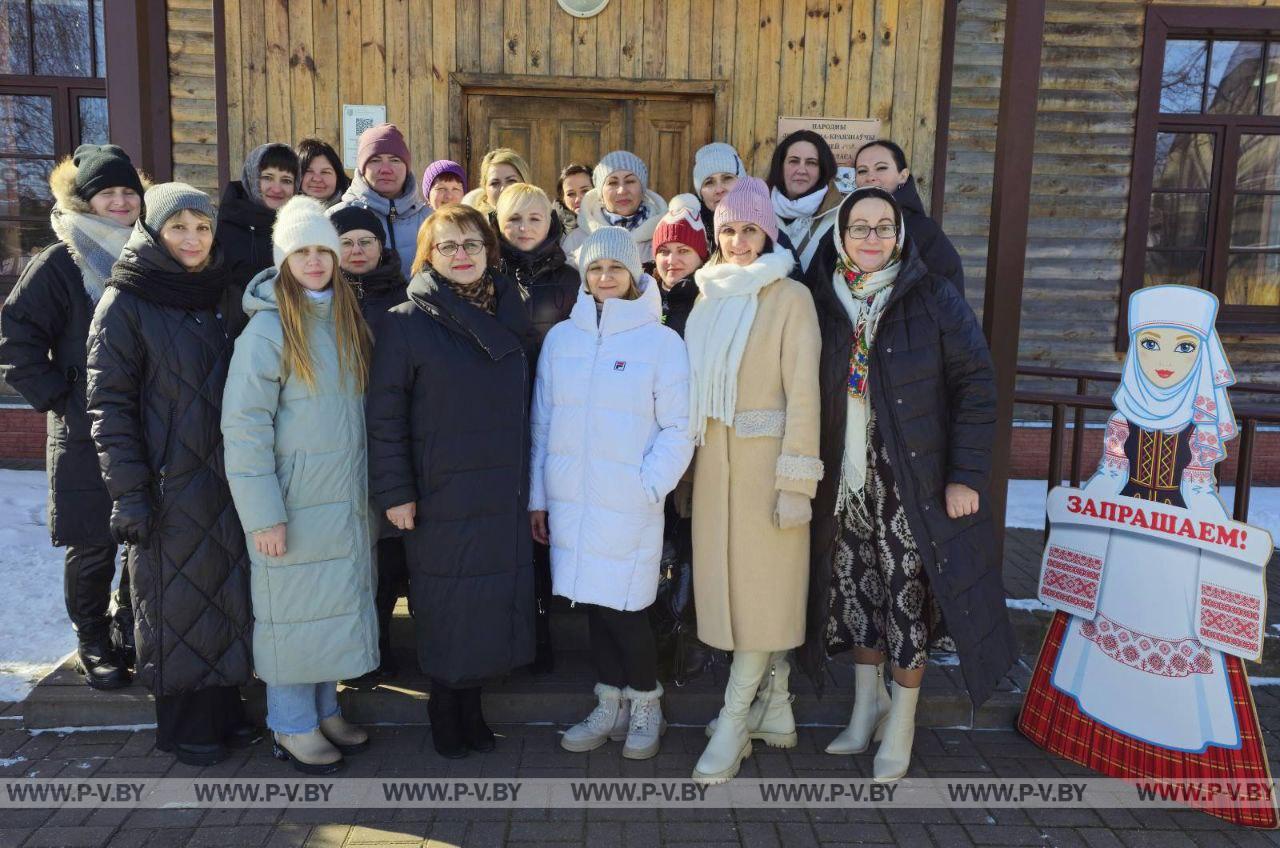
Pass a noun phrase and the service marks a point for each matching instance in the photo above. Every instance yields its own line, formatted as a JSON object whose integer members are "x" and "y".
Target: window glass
{"x": 93, "y": 120}
{"x": 1182, "y": 81}
{"x": 1166, "y": 266}
{"x": 99, "y": 41}
{"x": 15, "y": 39}
{"x": 1233, "y": 77}
{"x": 1183, "y": 161}
{"x": 25, "y": 189}
{"x": 1259, "y": 163}
{"x": 1255, "y": 221}
{"x": 26, "y": 124}
{"x": 20, "y": 242}
{"x": 62, "y": 37}
{"x": 1253, "y": 279}
{"x": 1178, "y": 219}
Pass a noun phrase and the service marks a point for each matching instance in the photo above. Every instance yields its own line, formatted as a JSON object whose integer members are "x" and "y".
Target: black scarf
{"x": 382, "y": 278}
{"x": 526, "y": 265}
{"x": 149, "y": 271}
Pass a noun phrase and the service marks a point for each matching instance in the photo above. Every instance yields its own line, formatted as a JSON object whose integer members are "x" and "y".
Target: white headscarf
{"x": 1201, "y": 396}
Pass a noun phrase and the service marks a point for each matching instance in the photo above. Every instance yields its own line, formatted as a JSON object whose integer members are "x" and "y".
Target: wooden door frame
{"x": 464, "y": 85}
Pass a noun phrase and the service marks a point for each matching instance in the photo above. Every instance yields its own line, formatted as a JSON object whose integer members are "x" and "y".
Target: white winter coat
{"x": 610, "y": 441}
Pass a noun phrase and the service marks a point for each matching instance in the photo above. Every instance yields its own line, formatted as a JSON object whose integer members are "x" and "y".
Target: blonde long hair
{"x": 355, "y": 342}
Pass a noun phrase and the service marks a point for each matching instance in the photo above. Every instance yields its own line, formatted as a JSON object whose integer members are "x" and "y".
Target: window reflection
{"x": 1234, "y": 70}
{"x": 62, "y": 38}
{"x": 15, "y": 38}
{"x": 93, "y": 120}
{"x": 1182, "y": 81}
{"x": 26, "y": 124}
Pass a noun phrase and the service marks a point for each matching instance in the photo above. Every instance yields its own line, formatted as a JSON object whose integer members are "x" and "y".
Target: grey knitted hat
{"x": 620, "y": 160}
{"x": 610, "y": 243}
{"x": 165, "y": 200}
{"x": 715, "y": 158}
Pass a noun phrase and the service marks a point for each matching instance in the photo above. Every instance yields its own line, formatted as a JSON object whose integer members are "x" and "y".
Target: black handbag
{"x": 681, "y": 656}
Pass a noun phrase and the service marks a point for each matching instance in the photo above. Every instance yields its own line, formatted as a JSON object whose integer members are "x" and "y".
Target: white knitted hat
{"x": 302, "y": 223}
{"x": 620, "y": 160}
{"x": 610, "y": 243}
{"x": 715, "y": 158}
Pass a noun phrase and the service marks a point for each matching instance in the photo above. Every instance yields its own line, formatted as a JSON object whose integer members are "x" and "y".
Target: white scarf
{"x": 717, "y": 330}
{"x": 95, "y": 244}
{"x": 592, "y": 216}
{"x": 802, "y": 207}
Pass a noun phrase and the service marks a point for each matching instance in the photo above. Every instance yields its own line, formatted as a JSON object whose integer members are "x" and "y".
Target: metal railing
{"x": 1247, "y": 419}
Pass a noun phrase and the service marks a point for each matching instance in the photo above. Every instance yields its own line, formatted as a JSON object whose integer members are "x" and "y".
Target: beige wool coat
{"x": 751, "y": 579}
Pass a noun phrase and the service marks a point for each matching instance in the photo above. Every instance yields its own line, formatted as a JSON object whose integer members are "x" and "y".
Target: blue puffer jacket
{"x": 402, "y": 216}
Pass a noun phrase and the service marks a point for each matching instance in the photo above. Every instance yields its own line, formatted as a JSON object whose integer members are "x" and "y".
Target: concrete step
{"x": 564, "y": 697}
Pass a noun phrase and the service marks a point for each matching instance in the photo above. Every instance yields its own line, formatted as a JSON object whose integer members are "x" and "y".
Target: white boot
{"x": 870, "y": 711}
{"x": 730, "y": 744}
{"x": 894, "y": 757}
{"x": 609, "y": 720}
{"x": 770, "y": 718}
{"x": 647, "y": 724}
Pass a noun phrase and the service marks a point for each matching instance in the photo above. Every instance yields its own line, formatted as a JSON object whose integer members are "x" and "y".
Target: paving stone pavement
{"x": 533, "y": 751}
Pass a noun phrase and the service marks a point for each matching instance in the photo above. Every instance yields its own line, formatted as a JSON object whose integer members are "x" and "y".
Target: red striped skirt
{"x": 1052, "y": 719}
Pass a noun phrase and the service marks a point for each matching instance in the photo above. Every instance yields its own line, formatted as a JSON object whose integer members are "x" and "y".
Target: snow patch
{"x": 1032, "y": 604}
{"x": 34, "y": 632}
{"x": 11, "y": 761}
{"x": 63, "y": 731}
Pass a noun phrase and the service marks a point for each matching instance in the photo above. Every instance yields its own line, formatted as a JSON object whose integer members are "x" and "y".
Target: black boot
{"x": 475, "y": 733}
{"x": 122, "y": 630}
{"x": 446, "y": 731}
{"x": 96, "y": 660}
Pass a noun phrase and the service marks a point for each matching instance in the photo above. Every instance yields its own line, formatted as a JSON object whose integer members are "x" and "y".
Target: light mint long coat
{"x": 298, "y": 456}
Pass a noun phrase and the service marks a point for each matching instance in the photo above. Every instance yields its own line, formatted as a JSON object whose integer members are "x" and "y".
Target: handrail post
{"x": 1244, "y": 470}
{"x": 1055, "y": 452}
{"x": 1077, "y": 435}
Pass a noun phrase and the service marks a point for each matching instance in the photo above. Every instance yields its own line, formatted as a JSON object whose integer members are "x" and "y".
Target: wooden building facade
{"x": 1123, "y": 191}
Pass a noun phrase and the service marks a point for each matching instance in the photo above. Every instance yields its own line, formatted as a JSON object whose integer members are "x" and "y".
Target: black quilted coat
{"x": 43, "y": 329}
{"x": 244, "y": 234}
{"x": 937, "y": 251}
{"x": 932, "y": 390}
{"x": 548, "y": 283}
{"x": 379, "y": 289}
{"x": 448, "y": 422}
{"x": 156, "y": 375}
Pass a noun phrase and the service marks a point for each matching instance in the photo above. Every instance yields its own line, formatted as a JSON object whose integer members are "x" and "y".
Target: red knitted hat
{"x": 383, "y": 138}
{"x": 682, "y": 223}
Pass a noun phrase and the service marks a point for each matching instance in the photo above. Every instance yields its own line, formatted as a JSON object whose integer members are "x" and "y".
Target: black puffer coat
{"x": 937, "y": 251}
{"x": 43, "y": 329}
{"x": 448, "y": 421}
{"x": 244, "y": 234}
{"x": 677, "y": 301}
{"x": 932, "y": 390}
{"x": 379, "y": 289}
{"x": 548, "y": 283}
{"x": 156, "y": 375}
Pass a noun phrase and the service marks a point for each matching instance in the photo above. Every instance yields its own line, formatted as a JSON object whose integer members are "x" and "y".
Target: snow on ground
{"x": 35, "y": 634}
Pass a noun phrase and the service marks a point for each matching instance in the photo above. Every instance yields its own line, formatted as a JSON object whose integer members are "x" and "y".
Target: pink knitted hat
{"x": 383, "y": 138}
{"x": 748, "y": 201}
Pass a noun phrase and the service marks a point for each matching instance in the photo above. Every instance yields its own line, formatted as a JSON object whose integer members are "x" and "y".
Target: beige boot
{"x": 770, "y": 718}
{"x": 310, "y": 753}
{"x": 345, "y": 736}
{"x": 870, "y": 711}
{"x": 894, "y": 756}
{"x": 731, "y": 744}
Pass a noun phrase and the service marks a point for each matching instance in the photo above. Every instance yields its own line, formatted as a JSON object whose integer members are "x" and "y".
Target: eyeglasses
{"x": 861, "y": 231}
{"x": 365, "y": 244}
{"x": 473, "y": 247}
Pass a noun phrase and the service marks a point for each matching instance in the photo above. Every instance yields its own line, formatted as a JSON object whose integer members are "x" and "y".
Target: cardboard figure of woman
{"x": 1159, "y": 593}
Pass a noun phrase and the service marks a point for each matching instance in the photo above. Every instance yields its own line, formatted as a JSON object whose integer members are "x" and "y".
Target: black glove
{"x": 131, "y": 520}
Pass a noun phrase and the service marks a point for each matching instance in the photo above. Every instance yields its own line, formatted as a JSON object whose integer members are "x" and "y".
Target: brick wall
{"x": 22, "y": 434}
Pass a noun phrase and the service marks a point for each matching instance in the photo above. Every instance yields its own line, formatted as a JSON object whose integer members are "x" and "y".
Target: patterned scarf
{"x": 864, "y": 295}
{"x": 628, "y": 222}
{"x": 95, "y": 244}
{"x": 480, "y": 294}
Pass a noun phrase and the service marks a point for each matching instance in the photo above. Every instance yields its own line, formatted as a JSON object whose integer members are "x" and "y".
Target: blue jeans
{"x": 300, "y": 707}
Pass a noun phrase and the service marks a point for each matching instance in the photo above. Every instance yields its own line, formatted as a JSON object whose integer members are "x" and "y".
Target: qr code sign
{"x": 362, "y": 124}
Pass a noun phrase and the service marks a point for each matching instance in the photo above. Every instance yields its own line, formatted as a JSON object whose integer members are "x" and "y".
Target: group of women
{"x": 487, "y": 398}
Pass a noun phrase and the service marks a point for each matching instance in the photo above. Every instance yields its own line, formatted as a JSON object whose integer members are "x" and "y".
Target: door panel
{"x": 552, "y": 131}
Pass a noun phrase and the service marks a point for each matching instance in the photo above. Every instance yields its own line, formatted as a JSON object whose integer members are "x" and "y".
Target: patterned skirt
{"x": 880, "y": 595}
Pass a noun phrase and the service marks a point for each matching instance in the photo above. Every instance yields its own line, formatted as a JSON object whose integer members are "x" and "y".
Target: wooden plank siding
{"x": 1080, "y": 183}
{"x": 297, "y": 61}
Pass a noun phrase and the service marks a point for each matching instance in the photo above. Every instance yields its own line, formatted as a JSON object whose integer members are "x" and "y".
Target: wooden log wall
{"x": 1080, "y": 184}
{"x": 192, "y": 93}
{"x": 290, "y": 64}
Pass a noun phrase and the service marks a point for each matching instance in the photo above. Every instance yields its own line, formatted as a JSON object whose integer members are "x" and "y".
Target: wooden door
{"x": 551, "y": 130}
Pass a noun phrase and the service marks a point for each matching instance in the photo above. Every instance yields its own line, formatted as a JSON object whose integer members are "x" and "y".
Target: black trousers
{"x": 203, "y": 717}
{"x": 623, "y": 649}
{"x": 86, "y": 583}
{"x": 393, "y": 583}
